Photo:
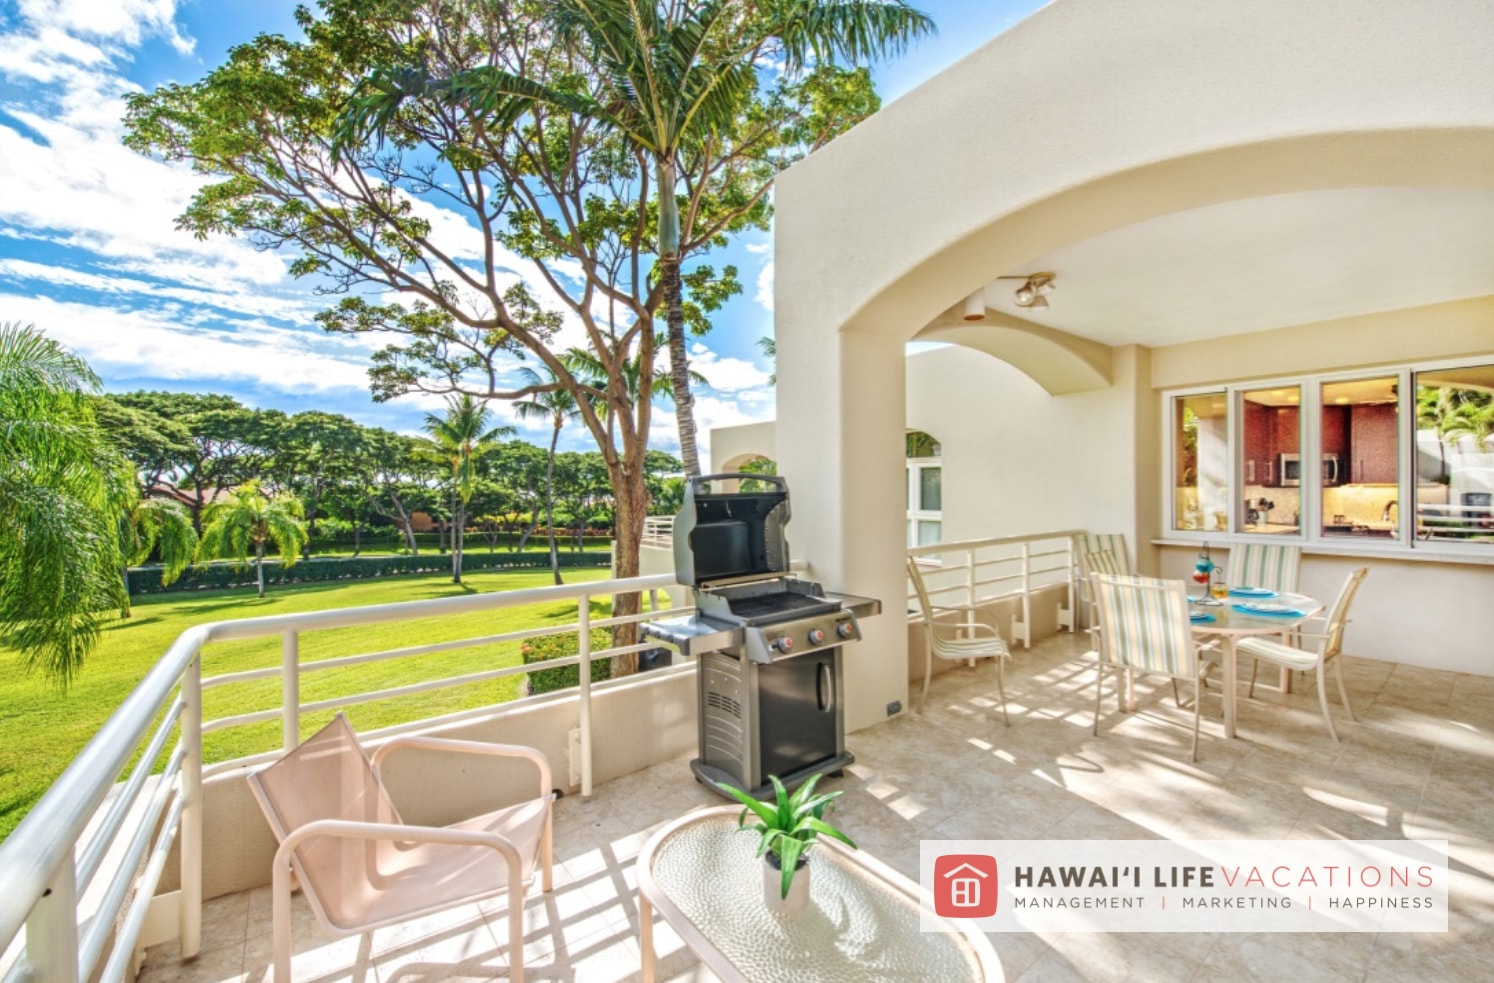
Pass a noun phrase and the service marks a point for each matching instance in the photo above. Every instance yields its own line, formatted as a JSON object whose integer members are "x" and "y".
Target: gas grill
{"x": 768, "y": 645}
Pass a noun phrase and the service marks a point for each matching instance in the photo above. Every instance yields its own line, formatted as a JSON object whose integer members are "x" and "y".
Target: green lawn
{"x": 42, "y": 730}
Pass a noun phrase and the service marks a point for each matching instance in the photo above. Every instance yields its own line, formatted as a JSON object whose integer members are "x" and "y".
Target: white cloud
{"x": 759, "y": 248}
{"x": 724, "y": 373}
{"x": 131, "y": 344}
{"x": 764, "y": 295}
{"x": 710, "y": 412}
{"x": 124, "y": 22}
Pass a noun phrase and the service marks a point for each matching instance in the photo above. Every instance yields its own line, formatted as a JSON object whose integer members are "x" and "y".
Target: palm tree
{"x": 155, "y": 523}
{"x": 248, "y": 521}
{"x": 63, "y": 490}
{"x": 668, "y": 76}
{"x": 559, "y": 405}
{"x": 458, "y": 440}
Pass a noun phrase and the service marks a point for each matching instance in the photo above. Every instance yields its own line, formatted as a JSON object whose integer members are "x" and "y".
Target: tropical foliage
{"x": 63, "y": 494}
{"x": 790, "y": 825}
{"x": 248, "y": 522}
{"x": 457, "y": 442}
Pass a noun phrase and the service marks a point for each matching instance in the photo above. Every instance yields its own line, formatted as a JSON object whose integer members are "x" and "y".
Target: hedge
{"x": 217, "y": 576}
{"x": 564, "y": 646}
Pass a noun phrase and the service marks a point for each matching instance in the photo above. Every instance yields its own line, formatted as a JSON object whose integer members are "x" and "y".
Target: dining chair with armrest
{"x": 967, "y": 639}
{"x": 1318, "y": 649}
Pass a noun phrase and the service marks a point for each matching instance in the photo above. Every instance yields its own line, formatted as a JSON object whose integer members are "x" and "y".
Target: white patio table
{"x": 862, "y": 923}
{"x": 1230, "y": 625}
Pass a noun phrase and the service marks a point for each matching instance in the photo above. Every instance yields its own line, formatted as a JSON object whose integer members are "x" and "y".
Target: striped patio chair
{"x": 1110, "y": 557}
{"x": 1144, "y": 622}
{"x": 1267, "y": 565}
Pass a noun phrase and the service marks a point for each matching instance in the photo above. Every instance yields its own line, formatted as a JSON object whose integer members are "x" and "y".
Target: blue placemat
{"x": 1201, "y": 617}
{"x": 1251, "y": 592}
{"x": 1288, "y": 613}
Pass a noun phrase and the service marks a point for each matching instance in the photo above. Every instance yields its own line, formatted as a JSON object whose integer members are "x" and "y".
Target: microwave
{"x": 1289, "y": 466}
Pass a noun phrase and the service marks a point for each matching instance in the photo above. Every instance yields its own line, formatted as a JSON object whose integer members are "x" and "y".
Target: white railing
{"x": 976, "y": 572}
{"x": 87, "y": 838}
{"x": 658, "y": 531}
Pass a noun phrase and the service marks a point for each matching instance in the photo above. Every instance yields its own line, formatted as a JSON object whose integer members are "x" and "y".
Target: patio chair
{"x": 965, "y": 640}
{"x": 1144, "y": 622}
{"x": 1099, "y": 553}
{"x": 1269, "y": 565}
{"x": 1326, "y": 648}
{"x": 363, "y": 868}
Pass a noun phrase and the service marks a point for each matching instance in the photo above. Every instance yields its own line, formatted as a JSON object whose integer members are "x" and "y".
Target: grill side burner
{"x": 769, "y": 646}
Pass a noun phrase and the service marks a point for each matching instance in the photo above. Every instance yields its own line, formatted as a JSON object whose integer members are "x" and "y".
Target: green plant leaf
{"x": 825, "y": 829}
{"x": 765, "y": 812}
{"x": 789, "y": 851}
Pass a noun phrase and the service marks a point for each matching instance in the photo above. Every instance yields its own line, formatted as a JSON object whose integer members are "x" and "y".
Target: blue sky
{"x": 89, "y": 252}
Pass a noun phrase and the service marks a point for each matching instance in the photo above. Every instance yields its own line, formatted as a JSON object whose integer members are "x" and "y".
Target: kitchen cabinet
{"x": 1373, "y": 444}
{"x": 1336, "y": 432}
{"x": 1258, "y": 440}
{"x": 1286, "y": 430}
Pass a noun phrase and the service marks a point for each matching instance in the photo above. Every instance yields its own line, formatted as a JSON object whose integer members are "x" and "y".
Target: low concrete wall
{"x": 636, "y": 722}
{"x": 1046, "y": 603}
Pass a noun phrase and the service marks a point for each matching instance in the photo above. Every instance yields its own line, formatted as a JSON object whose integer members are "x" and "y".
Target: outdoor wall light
{"x": 1030, "y": 294}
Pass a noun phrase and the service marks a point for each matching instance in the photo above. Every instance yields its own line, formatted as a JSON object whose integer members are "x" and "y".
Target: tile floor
{"x": 1419, "y": 763}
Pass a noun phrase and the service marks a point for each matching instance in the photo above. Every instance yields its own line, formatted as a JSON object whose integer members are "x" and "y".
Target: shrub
{"x": 217, "y": 576}
{"x": 563, "y": 646}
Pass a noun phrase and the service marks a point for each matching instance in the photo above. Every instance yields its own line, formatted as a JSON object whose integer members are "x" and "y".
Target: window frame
{"x": 915, "y": 468}
{"x": 1311, "y": 441}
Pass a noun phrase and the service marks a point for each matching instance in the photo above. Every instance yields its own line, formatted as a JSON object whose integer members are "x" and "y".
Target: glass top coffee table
{"x": 862, "y": 923}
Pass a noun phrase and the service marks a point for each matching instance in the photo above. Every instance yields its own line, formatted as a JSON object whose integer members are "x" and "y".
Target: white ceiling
{"x": 1264, "y": 263}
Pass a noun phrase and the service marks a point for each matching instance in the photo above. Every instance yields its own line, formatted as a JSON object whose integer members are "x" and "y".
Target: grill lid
{"x": 722, "y": 536}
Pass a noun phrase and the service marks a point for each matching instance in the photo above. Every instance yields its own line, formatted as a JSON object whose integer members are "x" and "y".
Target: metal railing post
{"x": 583, "y": 622}
{"x": 190, "y": 925}
{"x": 970, "y": 597}
{"x": 290, "y": 689}
{"x": 1027, "y": 595}
{"x": 52, "y": 930}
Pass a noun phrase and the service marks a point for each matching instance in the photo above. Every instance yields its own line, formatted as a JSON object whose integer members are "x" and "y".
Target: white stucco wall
{"x": 1087, "y": 117}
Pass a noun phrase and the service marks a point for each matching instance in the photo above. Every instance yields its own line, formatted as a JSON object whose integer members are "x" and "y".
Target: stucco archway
{"x": 1088, "y": 117}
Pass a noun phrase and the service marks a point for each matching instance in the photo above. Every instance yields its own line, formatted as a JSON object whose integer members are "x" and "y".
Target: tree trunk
{"x": 550, "y": 501}
{"x": 679, "y": 364}
{"x": 458, "y": 521}
{"x": 259, "y": 566}
{"x": 669, "y": 277}
{"x": 524, "y": 539}
{"x": 125, "y": 612}
{"x": 631, "y": 506}
{"x": 357, "y": 538}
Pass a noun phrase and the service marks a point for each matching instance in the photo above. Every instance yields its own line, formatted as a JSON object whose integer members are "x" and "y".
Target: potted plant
{"x": 789, "y": 828}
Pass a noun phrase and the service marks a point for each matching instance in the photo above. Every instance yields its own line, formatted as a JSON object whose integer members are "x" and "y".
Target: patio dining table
{"x": 1230, "y": 624}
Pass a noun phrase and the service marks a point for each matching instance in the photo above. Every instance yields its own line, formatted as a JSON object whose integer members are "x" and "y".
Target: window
{"x": 1455, "y": 455}
{"x": 925, "y": 489}
{"x": 1361, "y": 457}
{"x": 1398, "y": 457}
{"x": 1271, "y": 445}
{"x": 1202, "y": 454}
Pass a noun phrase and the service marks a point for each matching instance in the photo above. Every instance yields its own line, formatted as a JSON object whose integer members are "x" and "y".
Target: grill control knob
{"x": 784, "y": 644}
{"x": 845, "y": 630}
{"x": 816, "y": 636}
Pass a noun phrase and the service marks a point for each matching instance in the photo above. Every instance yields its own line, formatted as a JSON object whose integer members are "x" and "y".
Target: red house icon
{"x": 965, "y": 885}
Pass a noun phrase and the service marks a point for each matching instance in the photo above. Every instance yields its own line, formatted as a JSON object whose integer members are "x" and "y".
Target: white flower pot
{"x": 798, "y": 896}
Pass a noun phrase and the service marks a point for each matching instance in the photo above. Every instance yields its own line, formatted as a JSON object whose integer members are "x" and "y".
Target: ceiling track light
{"x": 1029, "y": 295}
{"x": 975, "y": 306}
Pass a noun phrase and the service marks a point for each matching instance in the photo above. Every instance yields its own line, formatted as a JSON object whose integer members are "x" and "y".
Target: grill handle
{"x": 824, "y": 683}
{"x": 697, "y": 483}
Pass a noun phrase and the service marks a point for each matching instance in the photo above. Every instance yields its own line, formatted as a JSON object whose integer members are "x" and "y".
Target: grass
{"x": 42, "y": 729}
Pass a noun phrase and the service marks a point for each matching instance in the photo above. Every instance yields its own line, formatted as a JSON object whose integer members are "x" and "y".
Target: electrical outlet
{"x": 894, "y": 708}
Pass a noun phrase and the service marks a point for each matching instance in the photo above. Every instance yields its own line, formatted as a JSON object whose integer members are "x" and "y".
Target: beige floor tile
{"x": 1419, "y": 762}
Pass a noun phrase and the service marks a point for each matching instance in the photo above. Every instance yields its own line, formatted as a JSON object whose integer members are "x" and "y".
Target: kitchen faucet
{"x": 1385, "y": 516}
